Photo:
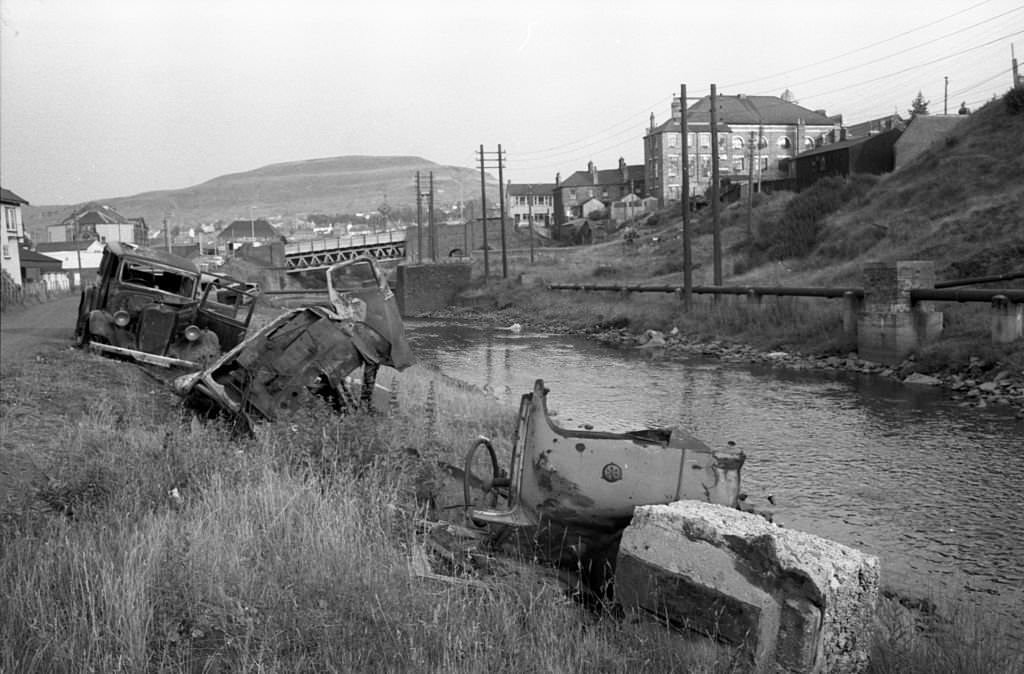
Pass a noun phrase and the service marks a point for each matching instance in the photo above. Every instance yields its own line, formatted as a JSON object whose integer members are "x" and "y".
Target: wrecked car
{"x": 569, "y": 494}
{"x": 309, "y": 351}
{"x": 150, "y": 306}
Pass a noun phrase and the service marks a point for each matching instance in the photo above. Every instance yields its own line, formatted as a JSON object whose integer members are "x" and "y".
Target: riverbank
{"x": 972, "y": 373}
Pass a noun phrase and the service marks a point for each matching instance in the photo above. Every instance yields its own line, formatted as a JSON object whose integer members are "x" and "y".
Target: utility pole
{"x": 483, "y": 214}
{"x": 716, "y": 226}
{"x": 419, "y": 220}
{"x": 432, "y": 226}
{"x": 1013, "y": 68}
{"x": 529, "y": 219}
{"x": 750, "y": 189}
{"x": 945, "y": 96}
{"x": 167, "y": 237}
{"x": 684, "y": 193}
{"x": 501, "y": 199}
{"x": 493, "y": 160}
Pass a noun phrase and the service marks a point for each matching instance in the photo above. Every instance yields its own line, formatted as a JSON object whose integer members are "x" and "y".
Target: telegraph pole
{"x": 419, "y": 220}
{"x": 716, "y": 226}
{"x": 684, "y": 190}
{"x": 432, "y": 226}
{"x": 483, "y": 214}
{"x": 493, "y": 160}
{"x": 501, "y": 200}
{"x": 945, "y": 96}
{"x": 529, "y": 219}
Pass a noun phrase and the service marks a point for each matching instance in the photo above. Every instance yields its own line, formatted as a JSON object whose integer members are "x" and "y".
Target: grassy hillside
{"x": 331, "y": 185}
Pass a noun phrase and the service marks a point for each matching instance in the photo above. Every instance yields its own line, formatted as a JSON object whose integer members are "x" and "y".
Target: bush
{"x": 796, "y": 233}
{"x": 1014, "y": 100}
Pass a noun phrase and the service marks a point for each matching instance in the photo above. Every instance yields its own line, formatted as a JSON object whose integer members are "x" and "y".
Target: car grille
{"x": 156, "y": 327}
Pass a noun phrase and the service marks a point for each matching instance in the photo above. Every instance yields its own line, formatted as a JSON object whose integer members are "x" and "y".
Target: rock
{"x": 922, "y": 380}
{"x": 793, "y": 601}
{"x": 988, "y": 387}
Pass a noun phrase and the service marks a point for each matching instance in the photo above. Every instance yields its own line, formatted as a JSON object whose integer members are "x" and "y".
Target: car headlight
{"x": 192, "y": 333}
{"x": 122, "y": 318}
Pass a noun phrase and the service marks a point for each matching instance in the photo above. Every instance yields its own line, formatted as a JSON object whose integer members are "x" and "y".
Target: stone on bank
{"x": 794, "y": 601}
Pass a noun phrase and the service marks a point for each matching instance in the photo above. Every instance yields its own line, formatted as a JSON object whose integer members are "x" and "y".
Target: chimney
{"x": 623, "y": 170}
{"x": 821, "y": 111}
{"x": 593, "y": 171}
{"x": 677, "y": 109}
{"x": 558, "y": 179}
{"x": 652, "y": 121}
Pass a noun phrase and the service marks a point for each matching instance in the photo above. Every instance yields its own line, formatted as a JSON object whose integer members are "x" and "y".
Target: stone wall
{"x": 422, "y": 288}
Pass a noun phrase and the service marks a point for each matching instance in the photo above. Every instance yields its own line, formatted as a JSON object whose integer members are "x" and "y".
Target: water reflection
{"x": 932, "y": 488}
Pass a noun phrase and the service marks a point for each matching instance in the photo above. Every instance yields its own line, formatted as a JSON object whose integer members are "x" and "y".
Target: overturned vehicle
{"x": 310, "y": 351}
{"x": 568, "y": 494}
{"x": 152, "y": 307}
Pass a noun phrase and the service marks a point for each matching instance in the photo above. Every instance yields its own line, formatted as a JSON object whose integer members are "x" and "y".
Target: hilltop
{"x": 347, "y": 184}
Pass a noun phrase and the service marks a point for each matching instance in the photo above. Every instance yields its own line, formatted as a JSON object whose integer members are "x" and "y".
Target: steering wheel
{"x": 487, "y": 486}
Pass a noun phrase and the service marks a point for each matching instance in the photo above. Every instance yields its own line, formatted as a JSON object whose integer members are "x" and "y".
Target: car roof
{"x": 152, "y": 255}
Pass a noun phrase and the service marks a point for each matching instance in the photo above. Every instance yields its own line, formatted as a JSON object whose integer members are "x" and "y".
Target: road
{"x": 24, "y": 331}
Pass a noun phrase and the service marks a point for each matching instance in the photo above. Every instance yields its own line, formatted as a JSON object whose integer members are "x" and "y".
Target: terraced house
{"x": 758, "y": 138}
{"x": 586, "y": 191}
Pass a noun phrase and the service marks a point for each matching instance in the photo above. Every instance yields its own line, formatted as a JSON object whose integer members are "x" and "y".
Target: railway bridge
{"x": 322, "y": 253}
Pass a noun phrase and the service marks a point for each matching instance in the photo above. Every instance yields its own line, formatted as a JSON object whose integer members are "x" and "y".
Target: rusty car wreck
{"x": 570, "y": 493}
{"x": 150, "y": 306}
{"x": 309, "y": 351}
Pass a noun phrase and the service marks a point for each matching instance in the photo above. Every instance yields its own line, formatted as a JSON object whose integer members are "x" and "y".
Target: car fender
{"x": 101, "y": 324}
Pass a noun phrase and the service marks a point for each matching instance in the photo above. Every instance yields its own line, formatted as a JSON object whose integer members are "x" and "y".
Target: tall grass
{"x": 158, "y": 543}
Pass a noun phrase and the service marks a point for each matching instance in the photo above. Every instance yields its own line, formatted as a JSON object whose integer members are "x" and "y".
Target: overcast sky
{"x": 106, "y": 98}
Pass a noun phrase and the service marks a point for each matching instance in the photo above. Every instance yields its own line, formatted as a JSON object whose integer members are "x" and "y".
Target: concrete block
{"x": 793, "y": 601}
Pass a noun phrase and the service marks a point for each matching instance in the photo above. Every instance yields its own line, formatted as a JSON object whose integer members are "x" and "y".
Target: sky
{"x": 109, "y": 98}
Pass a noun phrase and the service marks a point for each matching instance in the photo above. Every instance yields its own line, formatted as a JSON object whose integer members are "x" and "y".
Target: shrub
{"x": 1014, "y": 100}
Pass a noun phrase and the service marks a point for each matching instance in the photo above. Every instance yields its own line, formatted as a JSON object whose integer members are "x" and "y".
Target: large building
{"x": 574, "y": 195}
{"x": 758, "y": 138}
{"x": 531, "y": 203}
{"x": 100, "y": 222}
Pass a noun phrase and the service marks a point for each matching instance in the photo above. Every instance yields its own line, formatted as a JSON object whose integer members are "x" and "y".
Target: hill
{"x": 348, "y": 184}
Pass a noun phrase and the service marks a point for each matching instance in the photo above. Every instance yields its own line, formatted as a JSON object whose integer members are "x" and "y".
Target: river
{"x": 934, "y": 489}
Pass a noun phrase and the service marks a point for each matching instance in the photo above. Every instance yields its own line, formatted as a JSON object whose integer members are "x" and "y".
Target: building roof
{"x": 247, "y": 229}
{"x": 525, "y": 189}
{"x": 9, "y": 197}
{"x": 55, "y": 246}
{"x": 35, "y": 260}
{"x": 95, "y": 214}
{"x": 741, "y": 109}
{"x": 604, "y": 177}
{"x": 849, "y": 142}
{"x": 872, "y": 126}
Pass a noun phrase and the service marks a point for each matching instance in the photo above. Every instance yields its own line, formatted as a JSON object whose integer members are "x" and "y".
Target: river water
{"x": 934, "y": 489}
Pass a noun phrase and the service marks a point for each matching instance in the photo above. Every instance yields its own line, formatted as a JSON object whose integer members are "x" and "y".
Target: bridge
{"x": 322, "y": 253}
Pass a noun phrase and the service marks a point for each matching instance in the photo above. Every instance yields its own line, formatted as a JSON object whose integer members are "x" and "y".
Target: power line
{"x": 859, "y": 49}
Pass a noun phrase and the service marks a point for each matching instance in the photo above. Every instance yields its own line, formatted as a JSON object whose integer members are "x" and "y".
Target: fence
{"x": 37, "y": 292}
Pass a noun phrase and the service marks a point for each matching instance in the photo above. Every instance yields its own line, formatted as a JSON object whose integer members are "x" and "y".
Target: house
{"x": 874, "y": 127}
{"x": 530, "y": 203}
{"x": 79, "y": 259}
{"x": 631, "y": 206}
{"x": 39, "y": 268}
{"x": 98, "y": 221}
{"x": 921, "y": 133}
{"x": 605, "y": 185}
{"x": 13, "y": 233}
{"x": 256, "y": 231}
{"x": 758, "y": 137}
{"x": 868, "y": 154}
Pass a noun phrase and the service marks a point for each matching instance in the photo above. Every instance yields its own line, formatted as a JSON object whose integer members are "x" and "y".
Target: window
{"x": 10, "y": 219}
{"x": 672, "y": 139}
{"x": 784, "y": 143}
{"x": 705, "y": 141}
{"x": 808, "y": 144}
{"x": 739, "y": 165}
{"x": 764, "y": 163}
{"x": 691, "y": 139}
{"x": 737, "y": 143}
{"x": 763, "y": 143}
{"x": 7, "y": 251}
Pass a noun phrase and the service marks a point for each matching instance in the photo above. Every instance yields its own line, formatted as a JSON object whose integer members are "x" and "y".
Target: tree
{"x": 918, "y": 106}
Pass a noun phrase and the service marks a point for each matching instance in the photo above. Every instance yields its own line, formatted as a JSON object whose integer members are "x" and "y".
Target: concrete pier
{"x": 1007, "y": 320}
{"x": 890, "y": 326}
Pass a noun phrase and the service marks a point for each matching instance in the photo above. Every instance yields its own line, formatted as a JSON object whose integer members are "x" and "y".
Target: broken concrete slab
{"x": 794, "y": 601}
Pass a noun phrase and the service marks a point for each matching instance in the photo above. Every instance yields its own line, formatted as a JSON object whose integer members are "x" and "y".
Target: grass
{"x": 145, "y": 541}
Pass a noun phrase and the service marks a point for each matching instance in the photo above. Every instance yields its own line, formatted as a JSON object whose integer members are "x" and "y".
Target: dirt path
{"x": 24, "y": 331}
